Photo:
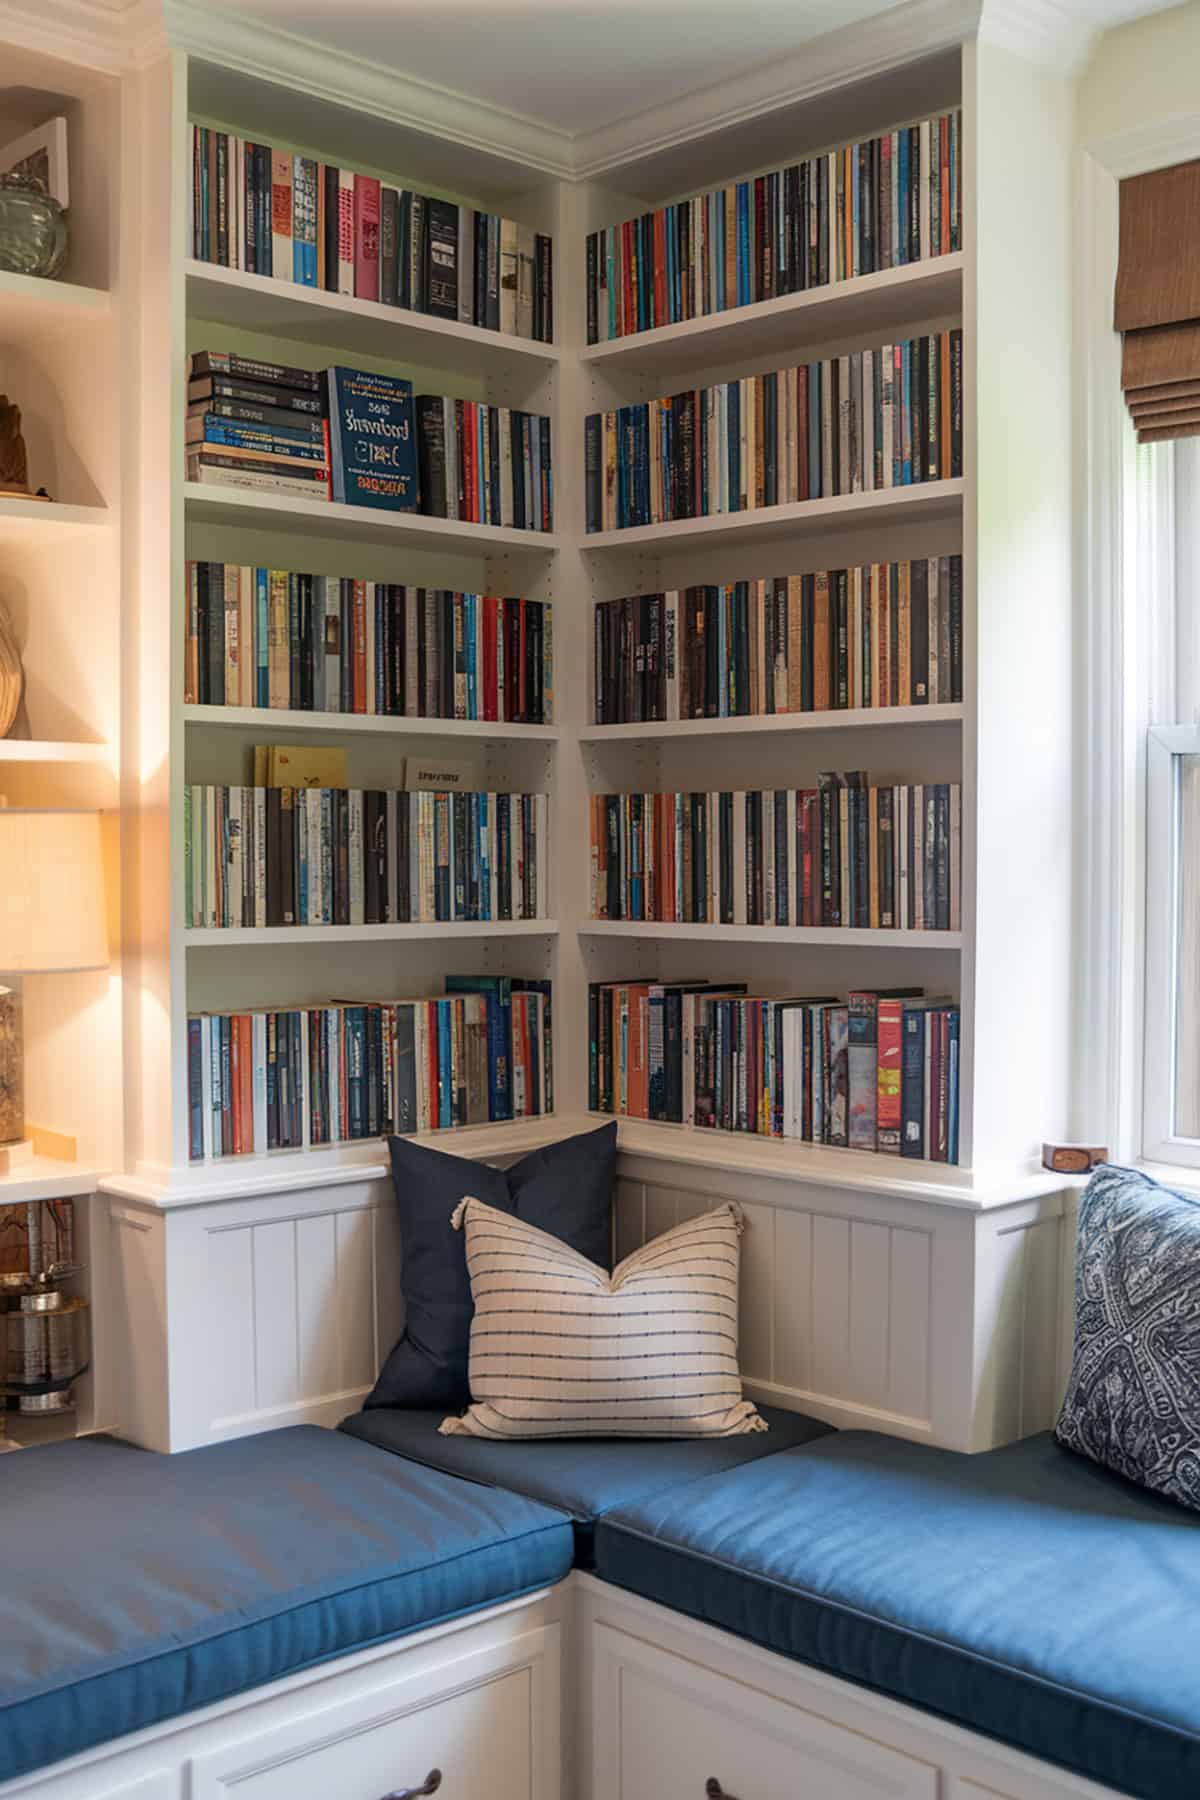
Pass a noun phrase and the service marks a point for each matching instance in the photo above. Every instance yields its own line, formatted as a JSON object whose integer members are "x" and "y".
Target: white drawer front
{"x": 665, "y": 1727}
{"x": 488, "y": 1722}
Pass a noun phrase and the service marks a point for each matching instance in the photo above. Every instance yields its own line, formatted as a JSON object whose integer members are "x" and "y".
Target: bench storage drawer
{"x": 483, "y": 1724}
{"x": 669, "y": 1727}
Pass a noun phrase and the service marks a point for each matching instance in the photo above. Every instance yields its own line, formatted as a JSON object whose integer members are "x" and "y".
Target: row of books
{"x": 850, "y": 424}
{"x": 887, "y": 634}
{"x": 841, "y": 854}
{"x": 270, "y": 212}
{"x": 877, "y": 1071}
{"x": 294, "y": 1079}
{"x": 269, "y": 856}
{"x": 259, "y": 637}
{"x": 358, "y": 437}
{"x": 877, "y": 204}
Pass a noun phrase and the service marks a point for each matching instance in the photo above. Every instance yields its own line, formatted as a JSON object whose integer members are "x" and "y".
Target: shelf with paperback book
{"x": 867, "y": 422}
{"x": 877, "y": 1071}
{"x": 924, "y": 503}
{"x": 270, "y": 857}
{"x": 299, "y": 1078}
{"x": 267, "y": 210}
{"x": 281, "y": 639}
{"x": 766, "y": 936}
{"x": 861, "y": 307}
{"x": 281, "y": 309}
{"x": 845, "y": 853}
{"x": 881, "y": 636}
{"x": 359, "y": 437}
{"x": 884, "y": 202}
{"x": 773, "y": 725}
{"x": 267, "y": 511}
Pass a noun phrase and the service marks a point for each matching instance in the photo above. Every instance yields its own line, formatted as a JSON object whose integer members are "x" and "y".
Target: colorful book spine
{"x": 268, "y": 1080}
{"x": 270, "y": 212}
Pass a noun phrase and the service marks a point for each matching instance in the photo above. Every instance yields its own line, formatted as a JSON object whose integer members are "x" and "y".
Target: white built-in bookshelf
{"x": 1006, "y": 742}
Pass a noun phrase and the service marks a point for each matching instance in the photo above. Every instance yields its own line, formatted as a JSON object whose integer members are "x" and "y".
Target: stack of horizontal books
{"x": 253, "y": 424}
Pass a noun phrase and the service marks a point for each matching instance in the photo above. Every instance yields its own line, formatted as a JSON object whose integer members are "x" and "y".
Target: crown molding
{"x": 851, "y": 53}
{"x": 271, "y": 54}
{"x": 1041, "y": 31}
{"x": 1158, "y": 145}
{"x": 92, "y": 32}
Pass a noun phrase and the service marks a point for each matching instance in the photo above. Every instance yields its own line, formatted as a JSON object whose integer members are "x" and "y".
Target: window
{"x": 1169, "y": 612}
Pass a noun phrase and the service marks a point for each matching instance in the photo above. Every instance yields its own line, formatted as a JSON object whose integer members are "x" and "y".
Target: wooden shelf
{"x": 776, "y": 724}
{"x": 364, "y": 724}
{"x": 200, "y": 938}
{"x": 832, "y": 936}
{"x": 31, "y": 307}
{"x": 43, "y": 523}
{"x": 42, "y": 750}
{"x": 894, "y": 299}
{"x": 366, "y": 524}
{"x": 309, "y": 315}
{"x": 921, "y": 501}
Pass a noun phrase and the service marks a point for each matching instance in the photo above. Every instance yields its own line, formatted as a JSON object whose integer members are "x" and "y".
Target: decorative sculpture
{"x": 14, "y": 466}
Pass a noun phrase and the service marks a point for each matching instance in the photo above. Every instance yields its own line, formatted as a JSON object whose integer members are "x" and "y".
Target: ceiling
{"x": 576, "y": 66}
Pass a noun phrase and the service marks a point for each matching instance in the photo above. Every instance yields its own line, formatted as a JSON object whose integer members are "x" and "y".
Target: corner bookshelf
{"x": 1006, "y": 742}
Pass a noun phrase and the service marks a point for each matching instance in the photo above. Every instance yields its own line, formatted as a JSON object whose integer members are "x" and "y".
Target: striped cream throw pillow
{"x": 560, "y": 1348}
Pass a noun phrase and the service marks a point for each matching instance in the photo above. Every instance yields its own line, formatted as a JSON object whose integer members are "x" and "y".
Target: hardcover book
{"x": 372, "y": 445}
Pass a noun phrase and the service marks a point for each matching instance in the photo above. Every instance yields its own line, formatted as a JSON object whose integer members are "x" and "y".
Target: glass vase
{"x": 33, "y": 228}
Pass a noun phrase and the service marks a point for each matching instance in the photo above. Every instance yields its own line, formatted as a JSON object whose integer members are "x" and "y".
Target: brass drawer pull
{"x": 430, "y": 1785}
{"x": 714, "y": 1790}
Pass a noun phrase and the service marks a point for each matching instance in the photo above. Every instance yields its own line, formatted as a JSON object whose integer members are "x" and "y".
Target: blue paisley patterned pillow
{"x": 1133, "y": 1400}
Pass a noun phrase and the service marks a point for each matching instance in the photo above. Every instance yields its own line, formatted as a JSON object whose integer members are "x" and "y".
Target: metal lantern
{"x": 44, "y": 1335}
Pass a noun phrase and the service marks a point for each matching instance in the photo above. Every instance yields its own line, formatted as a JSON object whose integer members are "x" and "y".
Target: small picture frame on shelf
{"x": 41, "y": 155}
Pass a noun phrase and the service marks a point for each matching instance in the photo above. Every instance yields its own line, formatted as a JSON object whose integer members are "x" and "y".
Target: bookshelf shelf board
{"x": 892, "y": 299}
{"x": 788, "y": 1159}
{"x": 364, "y": 724}
{"x": 41, "y": 523}
{"x": 834, "y": 936}
{"x": 759, "y": 525}
{"x": 335, "y": 1165}
{"x": 45, "y": 1178}
{"x": 776, "y": 724}
{"x": 325, "y": 518}
{"x": 32, "y": 306}
{"x": 201, "y": 939}
{"x": 309, "y": 315}
{"x": 42, "y": 750}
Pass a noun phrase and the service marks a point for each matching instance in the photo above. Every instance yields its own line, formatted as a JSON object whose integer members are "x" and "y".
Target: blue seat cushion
{"x": 139, "y": 1586}
{"x": 584, "y": 1477}
{"x": 1025, "y": 1593}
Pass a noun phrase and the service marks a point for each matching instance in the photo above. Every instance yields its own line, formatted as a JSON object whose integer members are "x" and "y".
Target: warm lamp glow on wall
{"x": 52, "y": 921}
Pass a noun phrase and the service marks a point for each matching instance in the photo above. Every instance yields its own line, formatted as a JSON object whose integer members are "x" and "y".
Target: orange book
{"x": 904, "y": 635}
{"x": 639, "y": 1073}
{"x": 822, "y": 661}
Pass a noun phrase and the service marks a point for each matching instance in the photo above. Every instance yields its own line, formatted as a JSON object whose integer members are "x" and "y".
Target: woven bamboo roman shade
{"x": 1157, "y": 306}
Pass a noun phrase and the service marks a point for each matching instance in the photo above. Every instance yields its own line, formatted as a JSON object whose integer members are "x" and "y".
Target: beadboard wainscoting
{"x": 941, "y": 1322}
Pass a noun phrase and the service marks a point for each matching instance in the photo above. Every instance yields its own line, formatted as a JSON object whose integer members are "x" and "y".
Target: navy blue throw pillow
{"x": 1133, "y": 1399}
{"x": 564, "y": 1188}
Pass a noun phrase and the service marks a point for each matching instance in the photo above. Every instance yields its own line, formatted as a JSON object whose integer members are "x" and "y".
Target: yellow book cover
{"x": 299, "y": 766}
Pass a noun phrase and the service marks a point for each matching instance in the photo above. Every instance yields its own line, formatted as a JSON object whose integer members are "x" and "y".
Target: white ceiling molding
{"x": 92, "y": 32}
{"x": 280, "y": 56}
{"x": 853, "y": 53}
{"x": 1042, "y": 31}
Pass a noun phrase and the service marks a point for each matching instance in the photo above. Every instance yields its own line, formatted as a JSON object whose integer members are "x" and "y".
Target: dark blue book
{"x": 372, "y": 442}
{"x": 445, "y": 1094}
{"x": 912, "y": 1082}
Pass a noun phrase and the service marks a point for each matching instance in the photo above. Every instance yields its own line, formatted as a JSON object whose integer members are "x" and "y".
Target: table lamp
{"x": 52, "y": 921}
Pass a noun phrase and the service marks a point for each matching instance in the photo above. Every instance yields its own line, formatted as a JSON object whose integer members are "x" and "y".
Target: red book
{"x": 889, "y": 1043}
{"x": 366, "y": 237}
{"x": 944, "y": 171}
{"x": 246, "y": 1085}
{"x": 660, "y": 267}
{"x": 807, "y": 827}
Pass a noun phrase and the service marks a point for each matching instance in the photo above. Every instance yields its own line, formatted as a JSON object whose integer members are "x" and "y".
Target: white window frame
{"x": 1161, "y": 1142}
{"x": 1128, "y": 665}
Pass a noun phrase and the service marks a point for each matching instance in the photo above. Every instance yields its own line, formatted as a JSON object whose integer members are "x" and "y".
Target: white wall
{"x": 1141, "y": 73}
